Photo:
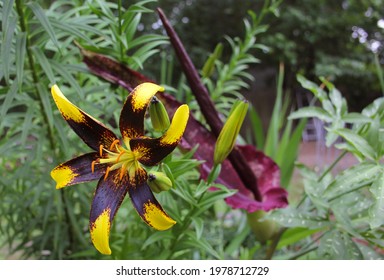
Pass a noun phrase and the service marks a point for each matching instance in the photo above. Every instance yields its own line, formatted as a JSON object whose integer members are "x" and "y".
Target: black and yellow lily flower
{"x": 118, "y": 164}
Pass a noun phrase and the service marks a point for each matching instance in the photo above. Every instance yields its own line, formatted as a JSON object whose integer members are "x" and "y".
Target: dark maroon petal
{"x": 92, "y": 131}
{"x": 109, "y": 194}
{"x": 133, "y": 112}
{"x": 77, "y": 170}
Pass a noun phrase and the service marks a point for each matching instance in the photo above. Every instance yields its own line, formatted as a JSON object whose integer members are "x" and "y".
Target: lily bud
{"x": 264, "y": 230}
{"x": 227, "y": 137}
{"x": 158, "y": 114}
{"x": 159, "y": 182}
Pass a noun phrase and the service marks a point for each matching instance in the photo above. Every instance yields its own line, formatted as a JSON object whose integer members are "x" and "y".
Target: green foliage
{"x": 345, "y": 211}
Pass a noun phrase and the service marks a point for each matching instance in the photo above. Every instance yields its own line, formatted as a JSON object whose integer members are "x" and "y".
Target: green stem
{"x": 311, "y": 247}
{"x": 271, "y": 250}
{"x": 332, "y": 166}
{"x": 302, "y": 253}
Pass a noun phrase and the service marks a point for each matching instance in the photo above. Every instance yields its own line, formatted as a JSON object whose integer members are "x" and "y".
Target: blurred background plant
{"x": 38, "y": 49}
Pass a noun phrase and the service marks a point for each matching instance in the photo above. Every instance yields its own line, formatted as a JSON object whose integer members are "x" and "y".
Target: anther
{"x": 114, "y": 143}
{"x": 119, "y": 156}
{"x": 101, "y": 150}
{"x": 106, "y": 173}
{"x": 122, "y": 171}
{"x": 93, "y": 164}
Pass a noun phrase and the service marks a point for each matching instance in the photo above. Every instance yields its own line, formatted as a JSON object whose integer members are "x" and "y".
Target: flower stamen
{"x": 101, "y": 150}
{"x": 119, "y": 156}
{"x": 114, "y": 144}
{"x": 122, "y": 171}
{"x": 93, "y": 166}
{"x": 106, "y": 173}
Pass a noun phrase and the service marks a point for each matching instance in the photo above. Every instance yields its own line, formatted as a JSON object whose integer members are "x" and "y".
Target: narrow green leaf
{"x": 202, "y": 244}
{"x": 63, "y": 72}
{"x": 291, "y": 217}
{"x": 358, "y": 142}
{"x": 287, "y": 154}
{"x": 273, "y": 130}
{"x": 155, "y": 237}
{"x": 6, "y": 48}
{"x": 45, "y": 98}
{"x": 199, "y": 226}
{"x": 27, "y": 125}
{"x": 376, "y": 211}
{"x": 7, "y": 102}
{"x": 21, "y": 42}
{"x": 293, "y": 235}
{"x": 356, "y": 118}
{"x": 311, "y": 112}
{"x": 45, "y": 23}
{"x": 257, "y": 128}
{"x": 130, "y": 30}
{"x": 314, "y": 88}
{"x": 6, "y": 14}
{"x": 236, "y": 242}
{"x": 209, "y": 65}
{"x": 44, "y": 63}
{"x": 72, "y": 29}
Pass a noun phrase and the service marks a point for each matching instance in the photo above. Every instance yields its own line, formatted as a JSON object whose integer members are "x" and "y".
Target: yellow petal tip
{"x": 100, "y": 232}
{"x": 157, "y": 218}
{"x": 67, "y": 109}
{"x": 63, "y": 176}
{"x": 177, "y": 127}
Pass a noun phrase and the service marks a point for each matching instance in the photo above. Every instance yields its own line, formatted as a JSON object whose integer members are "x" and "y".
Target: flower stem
{"x": 272, "y": 248}
{"x": 208, "y": 109}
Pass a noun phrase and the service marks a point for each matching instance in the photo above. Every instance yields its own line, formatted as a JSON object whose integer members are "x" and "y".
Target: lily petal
{"x": 93, "y": 132}
{"x": 152, "y": 151}
{"x": 106, "y": 201}
{"x": 148, "y": 208}
{"x": 77, "y": 170}
{"x": 132, "y": 114}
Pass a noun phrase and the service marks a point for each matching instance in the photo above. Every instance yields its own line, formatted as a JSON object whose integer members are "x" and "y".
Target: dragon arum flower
{"x": 119, "y": 165}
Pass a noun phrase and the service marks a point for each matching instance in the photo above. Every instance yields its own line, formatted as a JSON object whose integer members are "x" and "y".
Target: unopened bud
{"x": 263, "y": 229}
{"x": 159, "y": 115}
{"x": 227, "y": 137}
{"x": 159, "y": 182}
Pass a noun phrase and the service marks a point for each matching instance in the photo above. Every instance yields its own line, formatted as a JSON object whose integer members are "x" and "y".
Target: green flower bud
{"x": 263, "y": 229}
{"x": 227, "y": 137}
{"x": 159, "y": 182}
{"x": 158, "y": 114}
